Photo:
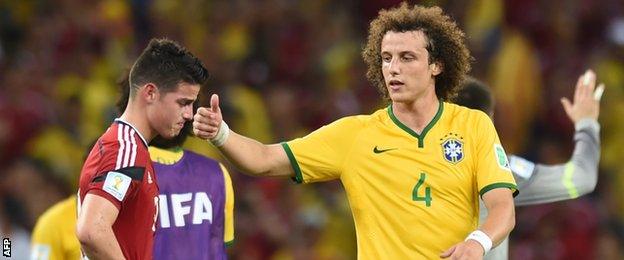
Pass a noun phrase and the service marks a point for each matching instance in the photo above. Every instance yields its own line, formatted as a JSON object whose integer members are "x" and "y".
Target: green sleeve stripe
{"x": 568, "y": 172}
{"x": 293, "y": 162}
{"x": 229, "y": 243}
{"x": 492, "y": 186}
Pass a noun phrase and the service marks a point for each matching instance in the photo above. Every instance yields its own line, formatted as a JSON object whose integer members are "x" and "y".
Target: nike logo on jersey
{"x": 377, "y": 150}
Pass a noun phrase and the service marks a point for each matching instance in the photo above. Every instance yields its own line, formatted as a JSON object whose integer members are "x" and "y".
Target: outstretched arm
{"x": 248, "y": 155}
{"x": 548, "y": 183}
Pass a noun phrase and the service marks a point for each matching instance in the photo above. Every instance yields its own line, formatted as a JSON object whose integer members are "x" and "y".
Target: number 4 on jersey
{"x": 427, "y": 198}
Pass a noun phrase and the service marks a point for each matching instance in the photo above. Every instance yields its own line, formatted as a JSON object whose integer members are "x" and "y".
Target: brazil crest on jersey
{"x": 412, "y": 195}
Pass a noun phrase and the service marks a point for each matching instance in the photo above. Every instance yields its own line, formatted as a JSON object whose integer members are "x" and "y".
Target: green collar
{"x": 420, "y": 137}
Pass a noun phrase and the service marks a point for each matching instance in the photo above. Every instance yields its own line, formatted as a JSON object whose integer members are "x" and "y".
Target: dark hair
{"x": 476, "y": 95}
{"x": 445, "y": 45}
{"x": 124, "y": 92}
{"x": 166, "y": 64}
{"x": 158, "y": 141}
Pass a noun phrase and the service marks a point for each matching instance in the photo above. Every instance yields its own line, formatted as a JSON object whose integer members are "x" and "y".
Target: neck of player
{"x": 138, "y": 119}
{"x": 418, "y": 113}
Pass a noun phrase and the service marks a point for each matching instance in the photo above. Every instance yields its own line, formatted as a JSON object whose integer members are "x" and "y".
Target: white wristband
{"x": 222, "y": 135}
{"x": 482, "y": 239}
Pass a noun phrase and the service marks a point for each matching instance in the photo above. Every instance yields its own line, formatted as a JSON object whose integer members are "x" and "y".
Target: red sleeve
{"x": 106, "y": 195}
{"x": 114, "y": 158}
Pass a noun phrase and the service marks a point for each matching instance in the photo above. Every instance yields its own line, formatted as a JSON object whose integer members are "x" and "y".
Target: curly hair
{"x": 445, "y": 45}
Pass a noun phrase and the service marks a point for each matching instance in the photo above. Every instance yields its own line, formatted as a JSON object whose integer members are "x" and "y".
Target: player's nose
{"x": 187, "y": 113}
{"x": 393, "y": 67}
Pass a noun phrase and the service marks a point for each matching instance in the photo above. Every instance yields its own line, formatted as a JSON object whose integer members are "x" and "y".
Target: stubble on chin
{"x": 173, "y": 132}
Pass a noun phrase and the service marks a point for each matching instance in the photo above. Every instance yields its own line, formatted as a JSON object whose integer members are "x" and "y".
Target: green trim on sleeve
{"x": 492, "y": 186}
{"x": 421, "y": 136}
{"x": 293, "y": 162}
{"x": 568, "y": 172}
{"x": 229, "y": 243}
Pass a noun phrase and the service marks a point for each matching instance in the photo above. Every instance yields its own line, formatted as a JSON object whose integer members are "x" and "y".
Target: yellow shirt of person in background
{"x": 54, "y": 235}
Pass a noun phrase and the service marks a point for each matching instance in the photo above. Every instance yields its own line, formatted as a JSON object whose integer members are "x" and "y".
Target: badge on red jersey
{"x": 117, "y": 184}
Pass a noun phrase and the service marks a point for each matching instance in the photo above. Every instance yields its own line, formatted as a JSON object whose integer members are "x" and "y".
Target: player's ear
{"x": 150, "y": 92}
{"x": 436, "y": 68}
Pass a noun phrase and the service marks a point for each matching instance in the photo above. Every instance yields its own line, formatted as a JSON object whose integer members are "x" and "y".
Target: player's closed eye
{"x": 408, "y": 58}
{"x": 184, "y": 103}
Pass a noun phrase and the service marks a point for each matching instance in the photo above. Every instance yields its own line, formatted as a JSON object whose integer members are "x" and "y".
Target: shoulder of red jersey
{"x": 125, "y": 144}
{"x": 119, "y": 159}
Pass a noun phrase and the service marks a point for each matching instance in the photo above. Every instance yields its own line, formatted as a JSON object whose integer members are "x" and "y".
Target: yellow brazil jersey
{"x": 412, "y": 195}
{"x": 54, "y": 235}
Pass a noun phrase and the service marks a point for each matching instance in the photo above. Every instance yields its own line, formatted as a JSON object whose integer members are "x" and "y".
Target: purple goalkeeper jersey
{"x": 191, "y": 218}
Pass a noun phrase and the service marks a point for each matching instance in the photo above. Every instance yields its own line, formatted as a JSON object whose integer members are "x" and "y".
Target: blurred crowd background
{"x": 284, "y": 68}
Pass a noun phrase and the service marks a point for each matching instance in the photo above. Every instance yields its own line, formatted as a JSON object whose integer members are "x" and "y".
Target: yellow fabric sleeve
{"x": 492, "y": 165}
{"x": 320, "y": 155}
{"x": 228, "y": 226}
